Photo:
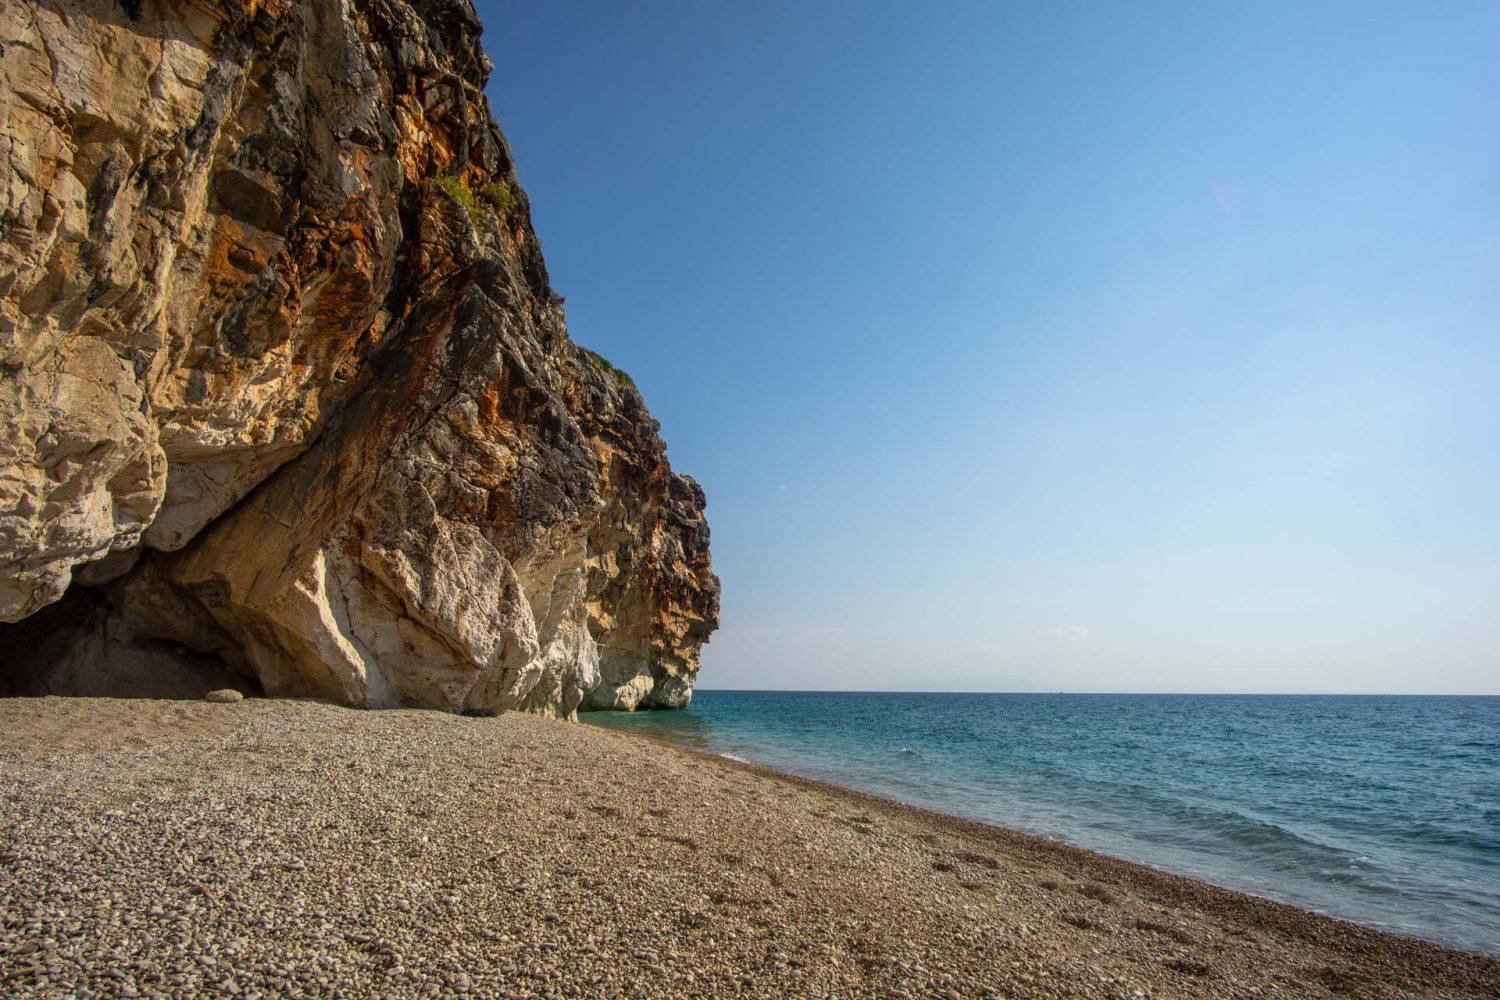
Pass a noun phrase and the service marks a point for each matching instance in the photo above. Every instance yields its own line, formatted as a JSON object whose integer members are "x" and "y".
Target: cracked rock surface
{"x": 289, "y": 405}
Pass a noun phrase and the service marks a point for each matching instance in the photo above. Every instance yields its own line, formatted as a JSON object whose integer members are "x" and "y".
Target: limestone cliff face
{"x": 288, "y": 402}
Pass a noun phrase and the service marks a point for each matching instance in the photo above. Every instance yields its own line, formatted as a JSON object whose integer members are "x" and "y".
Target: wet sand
{"x": 273, "y": 848}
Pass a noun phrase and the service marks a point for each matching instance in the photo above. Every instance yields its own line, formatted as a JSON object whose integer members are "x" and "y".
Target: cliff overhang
{"x": 290, "y": 404}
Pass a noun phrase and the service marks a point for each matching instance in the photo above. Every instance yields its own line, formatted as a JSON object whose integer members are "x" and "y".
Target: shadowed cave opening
{"x": 83, "y": 645}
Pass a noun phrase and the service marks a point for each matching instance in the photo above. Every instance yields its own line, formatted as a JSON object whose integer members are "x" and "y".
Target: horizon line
{"x": 1141, "y": 694}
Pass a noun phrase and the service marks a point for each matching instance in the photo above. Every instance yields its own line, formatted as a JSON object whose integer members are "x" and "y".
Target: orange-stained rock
{"x": 289, "y": 403}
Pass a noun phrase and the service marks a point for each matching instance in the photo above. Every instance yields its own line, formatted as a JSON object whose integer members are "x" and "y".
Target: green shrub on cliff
{"x": 603, "y": 365}
{"x": 499, "y": 195}
{"x": 455, "y": 187}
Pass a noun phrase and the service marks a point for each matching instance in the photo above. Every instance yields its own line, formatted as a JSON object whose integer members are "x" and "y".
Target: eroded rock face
{"x": 289, "y": 405}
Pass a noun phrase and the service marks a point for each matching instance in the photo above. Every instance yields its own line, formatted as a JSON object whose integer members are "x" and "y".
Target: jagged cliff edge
{"x": 288, "y": 402}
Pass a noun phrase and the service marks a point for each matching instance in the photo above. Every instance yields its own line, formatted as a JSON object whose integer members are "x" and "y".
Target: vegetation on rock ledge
{"x": 497, "y": 195}
{"x": 458, "y": 189}
{"x": 602, "y": 363}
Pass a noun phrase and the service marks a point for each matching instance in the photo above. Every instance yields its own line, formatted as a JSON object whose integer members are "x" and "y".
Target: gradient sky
{"x": 1048, "y": 347}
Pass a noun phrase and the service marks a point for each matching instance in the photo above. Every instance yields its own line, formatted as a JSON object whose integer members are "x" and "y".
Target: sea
{"x": 1381, "y": 810}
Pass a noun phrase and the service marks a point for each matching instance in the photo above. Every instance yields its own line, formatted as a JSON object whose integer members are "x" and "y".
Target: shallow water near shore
{"x": 1383, "y": 810}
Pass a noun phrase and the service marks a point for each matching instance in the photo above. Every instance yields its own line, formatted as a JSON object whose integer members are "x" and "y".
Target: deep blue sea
{"x": 1383, "y": 810}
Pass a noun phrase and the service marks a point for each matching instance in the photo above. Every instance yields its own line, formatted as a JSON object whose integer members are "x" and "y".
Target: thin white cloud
{"x": 1065, "y": 632}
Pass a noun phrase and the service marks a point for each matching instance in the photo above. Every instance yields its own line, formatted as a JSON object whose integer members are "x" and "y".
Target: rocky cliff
{"x": 288, "y": 403}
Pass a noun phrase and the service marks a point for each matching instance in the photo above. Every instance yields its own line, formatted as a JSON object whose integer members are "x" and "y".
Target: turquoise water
{"x": 1384, "y": 810}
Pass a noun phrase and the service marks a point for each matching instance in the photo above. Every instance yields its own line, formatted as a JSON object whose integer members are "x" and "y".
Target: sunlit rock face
{"x": 288, "y": 402}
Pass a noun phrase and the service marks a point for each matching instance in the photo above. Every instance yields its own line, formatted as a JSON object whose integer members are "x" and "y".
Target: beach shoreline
{"x": 1231, "y": 897}
{"x": 418, "y": 853}
{"x": 1021, "y": 839}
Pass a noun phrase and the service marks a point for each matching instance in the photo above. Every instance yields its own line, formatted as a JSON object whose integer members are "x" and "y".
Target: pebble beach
{"x": 280, "y": 848}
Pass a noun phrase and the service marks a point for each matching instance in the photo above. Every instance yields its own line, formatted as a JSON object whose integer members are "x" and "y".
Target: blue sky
{"x": 1048, "y": 347}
